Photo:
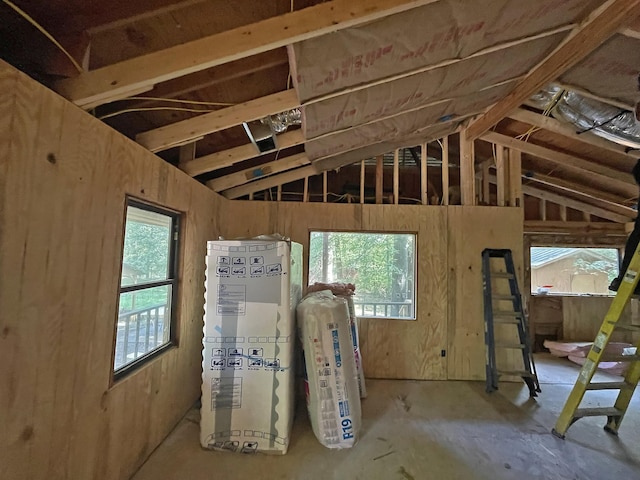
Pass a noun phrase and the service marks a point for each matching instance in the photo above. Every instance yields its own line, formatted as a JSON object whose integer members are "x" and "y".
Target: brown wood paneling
{"x": 470, "y": 231}
{"x": 65, "y": 177}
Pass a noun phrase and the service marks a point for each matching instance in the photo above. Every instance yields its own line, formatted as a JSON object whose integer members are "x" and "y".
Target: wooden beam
{"x": 140, "y": 74}
{"x": 563, "y": 212}
{"x": 324, "y": 186}
{"x": 467, "y": 170}
{"x": 305, "y": 190}
{"x": 279, "y": 193}
{"x": 176, "y": 133}
{"x": 604, "y": 228}
{"x": 567, "y": 130}
{"x": 362, "y": 177}
{"x": 424, "y": 193}
{"x": 567, "y": 161}
{"x": 187, "y": 152}
{"x": 486, "y": 192}
{"x": 226, "y": 158}
{"x": 575, "y": 204}
{"x": 602, "y": 23}
{"x": 515, "y": 178}
{"x": 253, "y": 173}
{"x": 396, "y": 174}
{"x": 532, "y": 176}
{"x": 445, "y": 171}
{"x": 502, "y": 170}
{"x": 379, "y": 178}
{"x": 269, "y": 182}
{"x": 543, "y": 209}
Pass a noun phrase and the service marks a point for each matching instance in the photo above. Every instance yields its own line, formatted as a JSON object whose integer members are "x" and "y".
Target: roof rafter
{"x": 566, "y": 160}
{"x": 590, "y": 34}
{"x": 140, "y": 74}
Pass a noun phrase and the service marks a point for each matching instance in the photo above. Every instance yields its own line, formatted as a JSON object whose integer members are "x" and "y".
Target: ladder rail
{"x": 570, "y": 412}
{"x": 529, "y": 374}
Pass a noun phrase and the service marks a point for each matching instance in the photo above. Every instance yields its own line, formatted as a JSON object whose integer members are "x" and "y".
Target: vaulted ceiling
{"x": 359, "y": 79}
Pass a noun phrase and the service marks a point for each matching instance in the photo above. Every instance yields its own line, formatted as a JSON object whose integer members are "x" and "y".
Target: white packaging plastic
{"x": 353, "y": 321}
{"x": 333, "y": 399}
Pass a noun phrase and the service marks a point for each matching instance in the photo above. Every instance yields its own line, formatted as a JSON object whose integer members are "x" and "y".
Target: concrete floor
{"x": 433, "y": 430}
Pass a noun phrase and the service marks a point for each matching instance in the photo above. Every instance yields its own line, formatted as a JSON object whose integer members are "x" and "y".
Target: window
{"x": 573, "y": 271}
{"x": 381, "y": 265}
{"x": 147, "y": 285}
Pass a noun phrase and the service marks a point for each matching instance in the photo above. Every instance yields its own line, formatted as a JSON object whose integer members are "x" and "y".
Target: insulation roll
{"x": 333, "y": 399}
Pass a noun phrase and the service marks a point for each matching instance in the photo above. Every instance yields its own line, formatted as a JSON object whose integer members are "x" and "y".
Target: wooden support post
{"x": 187, "y": 152}
{"x": 543, "y": 209}
{"x": 305, "y": 191}
{"x": 396, "y": 174}
{"x": 423, "y": 175}
{"x": 379, "y": 178}
{"x": 486, "y": 192}
{"x": 515, "y": 178}
{"x": 467, "y": 170}
{"x": 251, "y": 196}
{"x": 279, "y": 197}
{"x": 362, "y": 170}
{"x": 445, "y": 171}
{"x": 324, "y": 186}
{"x": 563, "y": 213}
{"x": 502, "y": 175}
{"x": 586, "y": 216}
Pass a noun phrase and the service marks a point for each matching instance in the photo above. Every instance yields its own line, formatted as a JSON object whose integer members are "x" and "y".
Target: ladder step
{"x": 607, "y": 386}
{"x": 510, "y": 276}
{"x": 595, "y": 412}
{"x": 516, "y": 373}
{"x": 512, "y": 321}
{"x": 619, "y": 358}
{"x": 503, "y": 297}
{"x": 629, "y": 328}
{"x": 506, "y": 313}
{"x": 510, "y": 345}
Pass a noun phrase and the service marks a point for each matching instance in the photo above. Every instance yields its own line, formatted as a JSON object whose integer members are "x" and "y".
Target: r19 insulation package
{"x": 333, "y": 398}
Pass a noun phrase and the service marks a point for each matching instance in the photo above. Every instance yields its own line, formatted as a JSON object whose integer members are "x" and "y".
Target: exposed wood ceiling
{"x": 370, "y": 76}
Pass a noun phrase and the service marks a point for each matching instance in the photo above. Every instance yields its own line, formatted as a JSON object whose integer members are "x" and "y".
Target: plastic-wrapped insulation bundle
{"x": 347, "y": 290}
{"x": 333, "y": 399}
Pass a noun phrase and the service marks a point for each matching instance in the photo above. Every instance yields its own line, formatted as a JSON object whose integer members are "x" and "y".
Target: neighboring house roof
{"x": 544, "y": 256}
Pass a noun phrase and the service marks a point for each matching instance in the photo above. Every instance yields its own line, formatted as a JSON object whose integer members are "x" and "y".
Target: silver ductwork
{"x": 281, "y": 121}
{"x": 610, "y": 122}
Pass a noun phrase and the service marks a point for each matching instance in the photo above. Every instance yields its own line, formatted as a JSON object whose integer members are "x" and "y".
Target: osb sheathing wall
{"x": 448, "y": 287}
{"x": 63, "y": 181}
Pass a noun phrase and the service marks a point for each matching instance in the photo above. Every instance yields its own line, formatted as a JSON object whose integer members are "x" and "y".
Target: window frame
{"x": 172, "y": 279}
{"x": 376, "y": 232}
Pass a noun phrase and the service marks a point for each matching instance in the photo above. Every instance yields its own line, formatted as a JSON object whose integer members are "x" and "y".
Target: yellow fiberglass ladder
{"x": 571, "y": 411}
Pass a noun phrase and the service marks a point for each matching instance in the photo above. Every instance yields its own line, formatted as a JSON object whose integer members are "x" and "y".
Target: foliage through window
{"x": 147, "y": 285}
{"x": 577, "y": 271}
{"x": 381, "y": 265}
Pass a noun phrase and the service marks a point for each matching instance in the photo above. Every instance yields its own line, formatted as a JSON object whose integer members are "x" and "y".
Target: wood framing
{"x": 229, "y": 157}
{"x": 445, "y": 171}
{"x": 178, "y": 133}
{"x": 379, "y": 178}
{"x": 515, "y": 178}
{"x": 563, "y": 159}
{"x": 502, "y": 176}
{"x": 567, "y": 130}
{"x": 604, "y": 228}
{"x": 396, "y": 175}
{"x": 424, "y": 191}
{"x": 590, "y": 34}
{"x": 254, "y": 173}
{"x": 269, "y": 182}
{"x": 142, "y": 73}
{"x": 467, "y": 170}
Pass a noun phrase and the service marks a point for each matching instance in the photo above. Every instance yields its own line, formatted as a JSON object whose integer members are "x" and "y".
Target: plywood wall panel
{"x": 471, "y": 230}
{"x": 65, "y": 177}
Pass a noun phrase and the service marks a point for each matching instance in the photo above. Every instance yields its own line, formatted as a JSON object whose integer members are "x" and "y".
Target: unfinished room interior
{"x": 458, "y": 162}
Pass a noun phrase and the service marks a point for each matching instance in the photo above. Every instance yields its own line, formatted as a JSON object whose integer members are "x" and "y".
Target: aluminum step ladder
{"x": 513, "y": 317}
{"x": 572, "y": 411}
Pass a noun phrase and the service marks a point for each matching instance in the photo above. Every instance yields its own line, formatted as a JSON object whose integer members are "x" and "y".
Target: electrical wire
{"x": 147, "y": 109}
{"x": 41, "y": 29}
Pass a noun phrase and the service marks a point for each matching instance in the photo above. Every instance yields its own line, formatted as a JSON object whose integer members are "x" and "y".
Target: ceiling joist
{"x": 567, "y": 130}
{"x": 565, "y": 160}
{"x": 261, "y": 171}
{"x": 140, "y": 74}
{"x": 270, "y": 182}
{"x": 590, "y": 34}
